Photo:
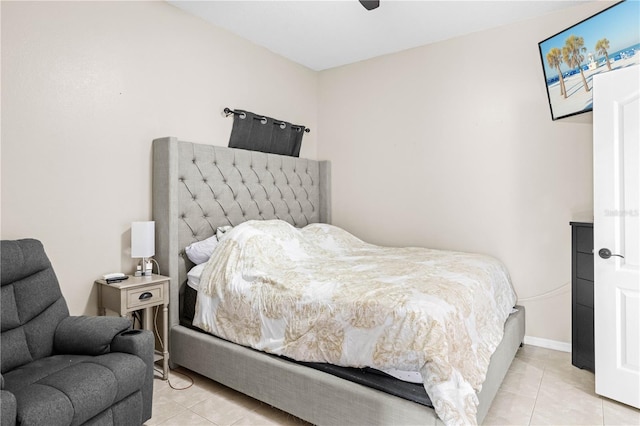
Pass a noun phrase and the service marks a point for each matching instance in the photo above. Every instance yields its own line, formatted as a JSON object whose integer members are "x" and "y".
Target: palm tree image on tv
{"x": 572, "y": 53}
{"x": 574, "y": 58}
{"x": 554, "y": 59}
{"x": 602, "y": 47}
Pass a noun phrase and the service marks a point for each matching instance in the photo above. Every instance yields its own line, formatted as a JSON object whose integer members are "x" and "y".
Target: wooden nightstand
{"x": 138, "y": 293}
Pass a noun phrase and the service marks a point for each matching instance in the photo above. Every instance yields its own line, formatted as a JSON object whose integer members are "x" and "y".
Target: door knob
{"x": 605, "y": 253}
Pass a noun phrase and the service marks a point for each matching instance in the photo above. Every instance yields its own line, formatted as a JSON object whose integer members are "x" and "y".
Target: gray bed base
{"x": 197, "y": 188}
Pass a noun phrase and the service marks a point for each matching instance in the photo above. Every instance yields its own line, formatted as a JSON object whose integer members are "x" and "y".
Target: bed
{"x": 198, "y": 188}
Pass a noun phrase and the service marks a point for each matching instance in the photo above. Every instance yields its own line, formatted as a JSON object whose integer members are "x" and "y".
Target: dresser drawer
{"x": 143, "y": 296}
{"x": 584, "y": 292}
{"x": 584, "y": 266}
{"x": 584, "y": 239}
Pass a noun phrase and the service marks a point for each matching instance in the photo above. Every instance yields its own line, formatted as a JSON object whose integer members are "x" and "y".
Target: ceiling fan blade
{"x": 370, "y": 4}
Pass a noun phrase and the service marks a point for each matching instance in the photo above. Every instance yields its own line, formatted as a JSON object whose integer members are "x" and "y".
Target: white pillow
{"x": 193, "y": 276}
{"x": 200, "y": 251}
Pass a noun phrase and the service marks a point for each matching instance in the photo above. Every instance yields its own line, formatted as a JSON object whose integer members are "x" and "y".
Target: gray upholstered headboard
{"x": 197, "y": 188}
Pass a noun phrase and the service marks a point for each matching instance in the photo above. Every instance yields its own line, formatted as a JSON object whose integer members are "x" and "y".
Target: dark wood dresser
{"x": 582, "y": 351}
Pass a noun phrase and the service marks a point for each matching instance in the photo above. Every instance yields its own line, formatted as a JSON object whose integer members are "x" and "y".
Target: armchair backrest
{"x": 32, "y": 305}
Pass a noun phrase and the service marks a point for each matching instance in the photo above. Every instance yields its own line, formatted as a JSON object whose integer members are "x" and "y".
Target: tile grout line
{"x": 544, "y": 369}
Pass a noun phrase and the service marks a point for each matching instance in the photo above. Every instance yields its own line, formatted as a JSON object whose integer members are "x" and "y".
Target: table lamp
{"x": 143, "y": 245}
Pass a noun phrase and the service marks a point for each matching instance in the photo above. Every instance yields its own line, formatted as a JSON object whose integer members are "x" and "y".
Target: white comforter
{"x": 319, "y": 294}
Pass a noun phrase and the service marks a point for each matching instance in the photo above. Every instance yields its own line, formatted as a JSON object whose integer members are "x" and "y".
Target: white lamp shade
{"x": 143, "y": 239}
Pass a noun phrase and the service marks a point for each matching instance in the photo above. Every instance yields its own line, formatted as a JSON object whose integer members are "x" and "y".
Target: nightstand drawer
{"x": 149, "y": 295}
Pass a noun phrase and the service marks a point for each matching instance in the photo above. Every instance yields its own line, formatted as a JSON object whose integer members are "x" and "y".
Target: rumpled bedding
{"x": 319, "y": 294}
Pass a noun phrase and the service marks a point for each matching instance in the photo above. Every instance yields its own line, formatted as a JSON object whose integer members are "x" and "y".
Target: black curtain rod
{"x": 227, "y": 112}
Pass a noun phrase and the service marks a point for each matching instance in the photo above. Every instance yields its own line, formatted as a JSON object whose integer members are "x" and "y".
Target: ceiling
{"x": 327, "y": 34}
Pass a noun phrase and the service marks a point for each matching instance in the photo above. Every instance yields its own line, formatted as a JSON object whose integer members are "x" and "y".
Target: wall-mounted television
{"x": 605, "y": 42}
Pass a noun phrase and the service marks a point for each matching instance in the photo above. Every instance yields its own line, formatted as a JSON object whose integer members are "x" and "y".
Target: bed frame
{"x": 197, "y": 188}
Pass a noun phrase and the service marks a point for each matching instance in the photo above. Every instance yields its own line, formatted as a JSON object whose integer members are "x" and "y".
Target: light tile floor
{"x": 541, "y": 388}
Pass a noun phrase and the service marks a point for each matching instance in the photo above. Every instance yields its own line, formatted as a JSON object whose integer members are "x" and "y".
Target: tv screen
{"x": 605, "y": 42}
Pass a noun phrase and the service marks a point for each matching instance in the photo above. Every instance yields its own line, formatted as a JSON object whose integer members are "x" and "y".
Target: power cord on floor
{"x": 171, "y": 385}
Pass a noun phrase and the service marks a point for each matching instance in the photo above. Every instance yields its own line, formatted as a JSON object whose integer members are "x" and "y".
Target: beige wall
{"x": 86, "y": 86}
{"x": 451, "y": 146}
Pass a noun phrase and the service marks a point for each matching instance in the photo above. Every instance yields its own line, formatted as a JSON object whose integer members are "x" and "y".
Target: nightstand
{"x": 138, "y": 293}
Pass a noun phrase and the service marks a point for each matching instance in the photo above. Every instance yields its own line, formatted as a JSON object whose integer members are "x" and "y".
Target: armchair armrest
{"x": 8, "y": 408}
{"x": 87, "y": 335}
{"x": 140, "y": 343}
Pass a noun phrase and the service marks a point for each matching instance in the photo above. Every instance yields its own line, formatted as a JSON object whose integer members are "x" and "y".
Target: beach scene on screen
{"x": 603, "y": 43}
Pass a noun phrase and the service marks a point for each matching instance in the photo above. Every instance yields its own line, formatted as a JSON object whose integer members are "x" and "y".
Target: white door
{"x": 616, "y": 156}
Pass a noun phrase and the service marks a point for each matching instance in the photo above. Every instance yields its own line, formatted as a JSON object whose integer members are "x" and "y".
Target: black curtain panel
{"x": 265, "y": 134}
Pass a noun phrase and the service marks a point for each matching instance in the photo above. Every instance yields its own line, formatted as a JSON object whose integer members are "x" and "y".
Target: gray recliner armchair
{"x": 65, "y": 370}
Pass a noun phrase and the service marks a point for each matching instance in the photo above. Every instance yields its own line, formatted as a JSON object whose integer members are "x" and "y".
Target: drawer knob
{"x": 146, "y": 295}
{"x": 605, "y": 253}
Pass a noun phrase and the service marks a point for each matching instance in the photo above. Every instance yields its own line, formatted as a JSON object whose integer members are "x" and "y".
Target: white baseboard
{"x": 547, "y": 343}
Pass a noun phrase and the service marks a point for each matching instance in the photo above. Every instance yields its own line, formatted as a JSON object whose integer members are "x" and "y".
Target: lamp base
{"x": 144, "y": 268}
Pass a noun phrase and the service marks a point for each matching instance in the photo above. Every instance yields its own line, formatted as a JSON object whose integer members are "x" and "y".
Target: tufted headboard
{"x": 197, "y": 188}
